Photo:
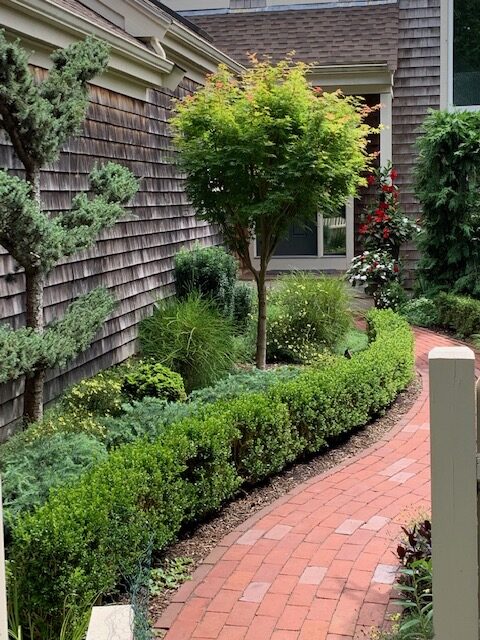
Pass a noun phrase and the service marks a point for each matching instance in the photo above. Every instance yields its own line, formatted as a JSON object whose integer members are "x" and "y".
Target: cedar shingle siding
{"x": 416, "y": 90}
{"x": 134, "y": 258}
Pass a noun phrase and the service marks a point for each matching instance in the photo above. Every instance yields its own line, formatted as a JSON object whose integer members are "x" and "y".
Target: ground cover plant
{"x": 246, "y": 142}
{"x": 145, "y": 491}
{"x": 39, "y": 117}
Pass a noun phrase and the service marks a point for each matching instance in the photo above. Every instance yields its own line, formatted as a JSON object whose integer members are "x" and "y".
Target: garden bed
{"x": 197, "y": 543}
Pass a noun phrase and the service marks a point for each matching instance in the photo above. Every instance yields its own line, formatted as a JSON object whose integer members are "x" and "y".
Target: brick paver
{"x": 320, "y": 562}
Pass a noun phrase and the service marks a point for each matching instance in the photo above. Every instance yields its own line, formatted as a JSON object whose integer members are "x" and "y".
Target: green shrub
{"x": 209, "y": 272}
{"x": 154, "y": 380}
{"x": 421, "y": 312}
{"x": 150, "y": 417}
{"x": 243, "y": 304}
{"x": 31, "y": 471}
{"x": 391, "y": 296}
{"x": 459, "y": 313}
{"x": 307, "y": 314}
{"x": 237, "y": 384}
{"x": 447, "y": 187}
{"x": 88, "y": 535}
{"x": 145, "y": 419}
{"x": 101, "y": 394}
{"x": 190, "y": 337}
{"x": 266, "y": 439}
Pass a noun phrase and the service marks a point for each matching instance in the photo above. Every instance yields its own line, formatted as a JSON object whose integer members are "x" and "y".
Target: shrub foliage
{"x": 447, "y": 186}
{"x": 208, "y": 271}
{"x": 191, "y": 337}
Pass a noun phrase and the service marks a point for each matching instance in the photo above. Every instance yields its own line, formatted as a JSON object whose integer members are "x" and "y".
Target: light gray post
{"x": 3, "y": 584}
{"x": 454, "y": 493}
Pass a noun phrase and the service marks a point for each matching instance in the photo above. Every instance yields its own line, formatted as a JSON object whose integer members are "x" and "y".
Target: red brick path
{"x": 319, "y": 563}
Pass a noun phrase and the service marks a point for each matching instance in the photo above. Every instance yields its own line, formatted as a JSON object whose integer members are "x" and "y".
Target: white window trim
{"x": 449, "y": 55}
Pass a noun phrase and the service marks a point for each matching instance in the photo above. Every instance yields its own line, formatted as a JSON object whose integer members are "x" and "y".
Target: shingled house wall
{"x": 134, "y": 259}
{"x": 416, "y": 90}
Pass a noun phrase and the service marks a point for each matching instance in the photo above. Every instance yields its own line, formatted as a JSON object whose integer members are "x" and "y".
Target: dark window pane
{"x": 466, "y": 52}
{"x": 300, "y": 241}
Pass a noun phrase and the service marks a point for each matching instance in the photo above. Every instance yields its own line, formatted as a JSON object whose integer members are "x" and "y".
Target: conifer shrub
{"x": 209, "y": 272}
{"x": 153, "y": 380}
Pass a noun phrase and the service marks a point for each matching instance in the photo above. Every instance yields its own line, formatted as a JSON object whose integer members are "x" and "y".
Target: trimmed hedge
{"x": 460, "y": 313}
{"x": 86, "y": 537}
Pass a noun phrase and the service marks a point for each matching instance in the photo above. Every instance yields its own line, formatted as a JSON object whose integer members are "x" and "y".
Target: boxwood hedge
{"x": 89, "y": 535}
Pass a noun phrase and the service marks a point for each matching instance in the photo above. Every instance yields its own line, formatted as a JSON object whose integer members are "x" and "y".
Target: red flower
{"x": 393, "y": 174}
{"x": 383, "y": 205}
{"x": 362, "y": 229}
{"x": 371, "y": 180}
{"x": 387, "y": 188}
{"x": 386, "y": 234}
{"x": 395, "y": 268}
{"x": 369, "y": 218}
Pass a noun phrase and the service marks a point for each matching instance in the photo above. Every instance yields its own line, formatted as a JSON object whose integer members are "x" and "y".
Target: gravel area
{"x": 198, "y": 543}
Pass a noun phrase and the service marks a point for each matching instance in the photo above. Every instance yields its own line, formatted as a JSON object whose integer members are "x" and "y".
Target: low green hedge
{"x": 88, "y": 536}
{"x": 460, "y": 313}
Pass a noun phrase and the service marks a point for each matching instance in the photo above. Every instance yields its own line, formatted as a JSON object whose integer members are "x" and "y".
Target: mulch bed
{"x": 197, "y": 543}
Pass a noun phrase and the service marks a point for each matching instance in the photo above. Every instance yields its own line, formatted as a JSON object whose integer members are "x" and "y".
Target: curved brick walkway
{"x": 319, "y": 563}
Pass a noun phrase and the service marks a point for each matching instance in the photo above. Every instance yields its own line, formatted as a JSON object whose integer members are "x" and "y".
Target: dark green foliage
{"x": 243, "y": 304}
{"x": 209, "y": 272}
{"x": 266, "y": 440}
{"x": 23, "y": 349}
{"x": 447, "y": 186}
{"x": 459, "y": 313}
{"x": 191, "y": 337}
{"x": 40, "y": 118}
{"x": 89, "y": 534}
{"x": 154, "y": 380}
{"x": 236, "y": 384}
{"x": 30, "y": 471}
{"x": 421, "y": 312}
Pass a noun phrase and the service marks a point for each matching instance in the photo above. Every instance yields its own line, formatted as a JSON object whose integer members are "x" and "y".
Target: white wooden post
{"x": 454, "y": 493}
{"x": 3, "y": 582}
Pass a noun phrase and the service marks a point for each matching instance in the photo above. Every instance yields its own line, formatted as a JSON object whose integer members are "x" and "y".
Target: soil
{"x": 197, "y": 543}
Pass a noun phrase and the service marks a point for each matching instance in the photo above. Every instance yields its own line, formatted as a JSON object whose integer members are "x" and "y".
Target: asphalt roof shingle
{"x": 324, "y": 36}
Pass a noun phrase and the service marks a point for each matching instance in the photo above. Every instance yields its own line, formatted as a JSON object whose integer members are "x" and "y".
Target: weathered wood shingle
{"x": 416, "y": 90}
{"x": 135, "y": 258}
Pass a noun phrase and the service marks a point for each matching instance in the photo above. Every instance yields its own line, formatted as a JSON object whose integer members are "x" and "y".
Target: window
{"x": 335, "y": 235}
{"x": 247, "y": 4}
{"x": 466, "y": 53}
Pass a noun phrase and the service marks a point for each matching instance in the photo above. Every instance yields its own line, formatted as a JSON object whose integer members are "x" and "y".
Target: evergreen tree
{"x": 39, "y": 117}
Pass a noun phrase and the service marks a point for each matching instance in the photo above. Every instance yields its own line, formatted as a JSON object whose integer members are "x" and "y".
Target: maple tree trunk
{"x": 261, "y": 355}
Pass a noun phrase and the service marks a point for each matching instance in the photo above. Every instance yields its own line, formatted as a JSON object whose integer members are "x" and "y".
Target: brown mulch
{"x": 198, "y": 543}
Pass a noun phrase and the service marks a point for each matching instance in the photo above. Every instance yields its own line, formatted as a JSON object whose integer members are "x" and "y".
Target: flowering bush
{"x": 391, "y": 296}
{"x": 307, "y": 314}
{"x": 373, "y": 270}
{"x": 383, "y": 226}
